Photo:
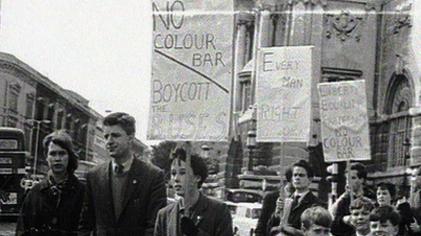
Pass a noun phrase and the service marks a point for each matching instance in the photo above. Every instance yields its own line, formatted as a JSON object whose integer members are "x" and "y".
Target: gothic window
{"x": 397, "y": 106}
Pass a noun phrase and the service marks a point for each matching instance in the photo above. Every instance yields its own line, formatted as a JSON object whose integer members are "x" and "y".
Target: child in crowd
{"x": 316, "y": 221}
{"x": 384, "y": 221}
{"x": 360, "y": 210}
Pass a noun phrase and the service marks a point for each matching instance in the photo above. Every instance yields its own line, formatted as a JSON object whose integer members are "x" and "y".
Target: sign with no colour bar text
{"x": 191, "y": 70}
{"x": 344, "y": 121}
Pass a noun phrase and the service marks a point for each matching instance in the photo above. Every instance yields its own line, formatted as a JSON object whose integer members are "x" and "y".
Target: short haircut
{"x": 389, "y": 187}
{"x": 304, "y": 164}
{"x": 62, "y": 139}
{"x": 385, "y": 213}
{"x": 124, "y": 120}
{"x": 361, "y": 203}
{"x": 197, "y": 163}
{"x": 316, "y": 215}
{"x": 360, "y": 168}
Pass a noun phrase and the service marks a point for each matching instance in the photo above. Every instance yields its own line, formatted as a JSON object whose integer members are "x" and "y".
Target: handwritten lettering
{"x": 189, "y": 126}
{"x": 169, "y": 17}
{"x": 184, "y": 41}
{"x": 270, "y": 65}
{"x": 179, "y": 92}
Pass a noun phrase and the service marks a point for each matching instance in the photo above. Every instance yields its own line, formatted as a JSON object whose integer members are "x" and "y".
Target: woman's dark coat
{"x": 50, "y": 209}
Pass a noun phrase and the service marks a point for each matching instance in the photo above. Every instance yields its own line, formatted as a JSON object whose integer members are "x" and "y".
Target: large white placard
{"x": 191, "y": 70}
{"x": 284, "y": 94}
{"x": 343, "y": 111}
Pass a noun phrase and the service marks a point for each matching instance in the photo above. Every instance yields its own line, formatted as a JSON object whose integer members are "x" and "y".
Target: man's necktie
{"x": 295, "y": 201}
{"x": 119, "y": 169}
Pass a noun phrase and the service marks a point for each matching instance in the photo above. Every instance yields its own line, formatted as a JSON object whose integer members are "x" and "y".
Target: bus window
{"x": 8, "y": 144}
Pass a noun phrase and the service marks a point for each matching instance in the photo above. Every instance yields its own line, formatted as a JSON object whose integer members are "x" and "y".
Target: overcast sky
{"x": 100, "y": 49}
{"x": 97, "y": 48}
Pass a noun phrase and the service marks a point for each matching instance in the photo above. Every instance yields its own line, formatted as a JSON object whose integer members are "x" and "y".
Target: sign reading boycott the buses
{"x": 284, "y": 94}
{"x": 343, "y": 111}
{"x": 191, "y": 70}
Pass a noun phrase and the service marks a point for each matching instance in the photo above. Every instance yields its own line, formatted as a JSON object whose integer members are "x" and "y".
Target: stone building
{"x": 30, "y": 101}
{"x": 373, "y": 40}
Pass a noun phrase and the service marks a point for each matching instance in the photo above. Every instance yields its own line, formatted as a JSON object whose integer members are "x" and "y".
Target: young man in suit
{"x": 301, "y": 199}
{"x": 273, "y": 207}
{"x": 125, "y": 193}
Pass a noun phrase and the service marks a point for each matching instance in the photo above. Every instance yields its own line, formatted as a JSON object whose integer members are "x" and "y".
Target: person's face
{"x": 57, "y": 158}
{"x": 383, "y": 197}
{"x": 353, "y": 180}
{"x": 117, "y": 141}
{"x": 360, "y": 219}
{"x": 416, "y": 178}
{"x": 178, "y": 177}
{"x": 378, "y": 228}
{"x": 300, "y": 179}
{"x": 317, "y": 230}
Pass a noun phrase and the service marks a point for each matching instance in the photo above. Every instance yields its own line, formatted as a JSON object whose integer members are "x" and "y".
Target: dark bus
{"x": 12, "y": 170}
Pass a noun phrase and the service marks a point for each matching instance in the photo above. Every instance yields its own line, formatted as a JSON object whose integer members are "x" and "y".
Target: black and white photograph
{"x": 210, "y": 118}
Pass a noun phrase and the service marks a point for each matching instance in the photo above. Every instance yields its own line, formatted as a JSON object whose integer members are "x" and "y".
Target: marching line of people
{"x": 127, "y": 196}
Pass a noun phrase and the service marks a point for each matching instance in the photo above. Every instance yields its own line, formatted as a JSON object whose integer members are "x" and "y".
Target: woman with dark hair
{"x": 52, "y": 207}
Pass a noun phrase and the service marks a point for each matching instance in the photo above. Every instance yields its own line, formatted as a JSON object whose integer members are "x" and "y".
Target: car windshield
{"x": 248, "y": 212}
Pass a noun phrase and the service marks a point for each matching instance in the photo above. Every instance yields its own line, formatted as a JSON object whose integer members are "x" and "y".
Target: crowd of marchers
{"x": 127, "y": 196}
{"x": 359, "y": 211}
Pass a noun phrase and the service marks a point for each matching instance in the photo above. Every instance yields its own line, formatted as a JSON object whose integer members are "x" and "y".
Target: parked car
{"x": 244, "y": 195}
{"x": 245, "y": 216}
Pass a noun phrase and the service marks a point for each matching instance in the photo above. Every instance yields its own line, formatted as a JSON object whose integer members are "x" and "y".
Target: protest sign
{"x": 344, "y": 121}
{"x": 284, "y": 94}
{"x": 191, "y": 70}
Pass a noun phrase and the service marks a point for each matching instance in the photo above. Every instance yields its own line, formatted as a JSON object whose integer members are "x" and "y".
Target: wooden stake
{"x": 348, "y": 169}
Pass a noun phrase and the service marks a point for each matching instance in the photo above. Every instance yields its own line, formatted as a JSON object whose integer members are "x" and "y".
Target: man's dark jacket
{"x": 50, "y": 209}
{"x": 144, "y": 194}
{"x": 268, "y": 208}
{"x": 267, "y": 220}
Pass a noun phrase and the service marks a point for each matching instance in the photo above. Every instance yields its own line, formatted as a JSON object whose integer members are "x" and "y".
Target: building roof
{"x": 72, "y": 97}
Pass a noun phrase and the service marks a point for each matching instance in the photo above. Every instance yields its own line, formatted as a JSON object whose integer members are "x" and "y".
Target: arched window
{"x": 398, "y": 102}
